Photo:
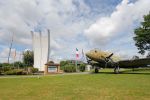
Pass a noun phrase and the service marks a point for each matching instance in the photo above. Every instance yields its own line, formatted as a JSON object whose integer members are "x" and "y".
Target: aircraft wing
{"x": 144, "y": 62}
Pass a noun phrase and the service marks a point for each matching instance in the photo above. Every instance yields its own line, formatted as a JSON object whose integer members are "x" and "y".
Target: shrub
{"x": 70, "y": 68}
{"x": 82, "y": 67}
{"x": 18, "y": 64}
{"x": 7, "y": 64}
{"x": 34, "y": 70}
{"x": 15, "y": 72}
{"x": 1, "y": 65}
{"x": 10, "y": 72}
{"x": 6, "y": 68}
{"x": 63, "y": 64}
{"x": 0, "y": 69}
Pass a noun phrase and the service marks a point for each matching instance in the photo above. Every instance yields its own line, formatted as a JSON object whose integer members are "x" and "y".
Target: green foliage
{"x": 63, "y": 64}
{"x": 142, "y": 35}
{"x": 0, "y": 70}
{"x": 19, "y": 64}
{"x": 50, "y": 62}
{"x": 6, "y": 69}
{"x": 6, "y": 65}
{"x": 1, "y": 65}
{"x": 28, "y": 58}
{"x": 82, "y": 67}
{"x": 15, "y": 72}
{"x": 69, "y": 68}
{"x": 34, "y": 70}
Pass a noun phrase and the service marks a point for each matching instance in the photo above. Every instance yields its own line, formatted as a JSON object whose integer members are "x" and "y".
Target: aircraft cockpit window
{"x": 95, "y": 51}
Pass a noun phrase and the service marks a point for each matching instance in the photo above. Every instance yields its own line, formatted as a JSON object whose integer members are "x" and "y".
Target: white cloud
{"x": 62, "y": 17}
{"x": 20, "y": 17}
{"x": 66, "y": 19}
{"x": 121, "y": 21}
{"x": 14, "y": 55}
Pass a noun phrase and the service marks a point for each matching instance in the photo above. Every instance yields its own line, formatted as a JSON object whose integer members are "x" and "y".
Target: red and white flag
{"x": 77, "y": 54}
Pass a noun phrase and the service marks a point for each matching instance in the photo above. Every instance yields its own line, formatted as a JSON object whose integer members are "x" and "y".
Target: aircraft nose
{"x": 88, "y": 54}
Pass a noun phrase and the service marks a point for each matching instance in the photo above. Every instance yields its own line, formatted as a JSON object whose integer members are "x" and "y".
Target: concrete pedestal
{"x": 52, "y": 69}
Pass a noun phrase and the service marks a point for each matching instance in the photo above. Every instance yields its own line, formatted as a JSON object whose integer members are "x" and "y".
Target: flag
{"x": 14, "y": 54}
{"x": 77, "y": 54}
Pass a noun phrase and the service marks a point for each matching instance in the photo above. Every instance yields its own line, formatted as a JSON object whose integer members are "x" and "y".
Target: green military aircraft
{"x": 99, "y": 59}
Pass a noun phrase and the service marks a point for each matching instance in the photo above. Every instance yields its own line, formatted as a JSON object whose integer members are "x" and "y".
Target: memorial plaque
{"x": 52, "y": 69}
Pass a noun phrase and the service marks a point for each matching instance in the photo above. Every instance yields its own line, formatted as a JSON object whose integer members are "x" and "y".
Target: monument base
{"x": 52, "y": 69}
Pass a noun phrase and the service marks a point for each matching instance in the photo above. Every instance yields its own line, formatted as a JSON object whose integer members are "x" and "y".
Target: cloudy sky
{"x": 83, "y": 24}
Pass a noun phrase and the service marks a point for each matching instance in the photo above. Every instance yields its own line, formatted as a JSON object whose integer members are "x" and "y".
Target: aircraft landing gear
{"x": 96, "y": 70}
{"x": 116, "y": 70}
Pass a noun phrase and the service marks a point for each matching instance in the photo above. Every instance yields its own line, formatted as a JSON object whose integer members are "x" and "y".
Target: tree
{"x": 1, "y": 65}
{"x": 18, "y": 64}
{"x": 28, "y": 58}
{"x": 1, "y": 68}
{"x": 142, "y": 35}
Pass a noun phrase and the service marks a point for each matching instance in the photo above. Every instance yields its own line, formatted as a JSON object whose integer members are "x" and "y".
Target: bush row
{"x": 82, "y": 67}
{"x": 69, "y": 68}
{"x": 10, "y": 71}
{"x": 15, "y": 72}
{"x": 72, "y": 68}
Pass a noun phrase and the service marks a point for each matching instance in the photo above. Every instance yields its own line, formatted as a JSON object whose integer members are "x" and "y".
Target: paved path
{"x": 38, "y": 76}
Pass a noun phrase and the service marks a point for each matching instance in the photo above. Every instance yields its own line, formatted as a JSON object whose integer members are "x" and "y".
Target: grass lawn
{"x": 101, "y": 86}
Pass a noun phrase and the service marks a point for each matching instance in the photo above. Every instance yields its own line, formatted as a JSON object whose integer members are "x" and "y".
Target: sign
{"x": 52, "y": 69}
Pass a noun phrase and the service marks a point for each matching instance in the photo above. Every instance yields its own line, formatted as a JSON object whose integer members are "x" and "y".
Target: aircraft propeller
{"x": 88, "y": 60}
{"x": 107, "y": 59}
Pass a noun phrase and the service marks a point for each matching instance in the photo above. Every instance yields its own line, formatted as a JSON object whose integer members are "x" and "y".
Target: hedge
{"x": 15, "y": 72}
{"x": 69, "y": 68}
{"x": 82, "y": 67}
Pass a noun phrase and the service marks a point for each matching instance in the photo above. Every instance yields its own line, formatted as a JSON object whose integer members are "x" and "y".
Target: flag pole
{"x": 77, "y": 56}
{"x": 76, "y": 65}
{"x": 10, "y": 47}
{"x": 14, "y": 58}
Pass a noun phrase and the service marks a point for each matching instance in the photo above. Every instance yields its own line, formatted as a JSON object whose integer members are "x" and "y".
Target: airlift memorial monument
{"x": 41, "y": 48}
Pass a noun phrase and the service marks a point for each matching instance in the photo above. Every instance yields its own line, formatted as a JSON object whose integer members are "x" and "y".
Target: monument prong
{"x": 48, "y": 45}
{"x": 41, "y": 48}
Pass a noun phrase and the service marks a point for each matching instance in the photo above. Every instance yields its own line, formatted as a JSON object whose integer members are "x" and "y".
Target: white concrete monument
{"x": 41, "y": 48}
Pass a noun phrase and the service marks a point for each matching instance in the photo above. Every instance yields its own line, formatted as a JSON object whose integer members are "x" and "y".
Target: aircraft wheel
{"x": 96, "y": 70}
{"x": 116, "y": 70}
